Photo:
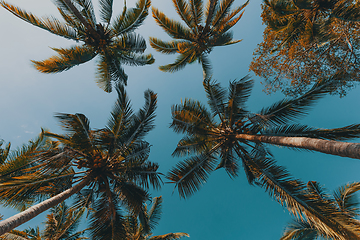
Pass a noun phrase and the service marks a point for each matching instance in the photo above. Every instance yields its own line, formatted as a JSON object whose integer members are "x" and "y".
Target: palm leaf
{"x": 189, "y": 175}
{"x": 49, "y": 24}
{"x": 224, "y": 15}
{"x": 173, "y": 28}
{"x": 106, "y": 10}
{"x": 290, "y": 109}
{"x": 196, "y": 11}
{"x": 131, "y": 19}
{"x": 216, "y": 97}
{"x": 191, "y": 117}
{"x": 320, "y": 212}
{"x": 299, "y": 230}
{"x": 67, "y": 59}
{"x": 109, "y": 70}
{"x": 155, "y": 212}
{"x": 87, "y": 11}
{"x": 184, "y": 11}
{"x": 164, "y": 47}
{"x": 239, "y": 92}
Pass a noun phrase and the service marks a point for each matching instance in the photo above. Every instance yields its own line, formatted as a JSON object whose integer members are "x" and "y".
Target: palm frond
{"x": 179, "y": 63}
{"x": 50, "y": 24}
{"x": 197, "y": 11}
{"x": 130, "y": 42}
{"x": 109, "y": 70}
{"x": 106, "y": 10}
{"x": 319, "y": 211}
{"x": 346, "y": 199}
{"x": 216, "y": 97}
{"x": 191, "y": 117}
{"x": 106, "y": 219}
{"x": 211, "y": 8}
{"x": 193, "y": 145}
{"x": 184, "y": 11}
{"x": 206, "y": 66}
{"x": 223, "y": 15}
{"x": 164, "y": 47}
{"x": 173, "y": 28}
{"x": 288, "y": 110}
{"x": 79, "y": 129}
{"x": 239, "y": 92}
{"x": 87, "y": 11}
{"x": 144, "y": 119}
{"x": 155, "y": 212}
{"x": 299, "y": 230}
{"x": 132, "y": 18}
{"x": 67, "y": 59}
{"x": 190, "y": 174}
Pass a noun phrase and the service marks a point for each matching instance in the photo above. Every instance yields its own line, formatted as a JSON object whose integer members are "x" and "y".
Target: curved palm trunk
{"x": 22, "y": 217}
{"x": 343, "y": 149}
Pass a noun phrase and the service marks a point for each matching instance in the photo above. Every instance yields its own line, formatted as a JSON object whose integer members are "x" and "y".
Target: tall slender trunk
{"x": 343, "y": 149}
{"x": 22, "y": 217}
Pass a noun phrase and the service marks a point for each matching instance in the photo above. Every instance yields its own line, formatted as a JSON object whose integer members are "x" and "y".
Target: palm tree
{"x": 204, "y": 31}
{"x": 113, "y": 167}
{"x": 143, "y": 231}
{"x": 61, "y": 224}
{"x": 343, "y": 199}
{"x": 114, "y": 42}
{"x": 230, "y": 133}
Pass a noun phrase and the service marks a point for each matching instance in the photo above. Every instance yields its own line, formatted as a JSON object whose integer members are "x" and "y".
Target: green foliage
{"x": 204, "y": 30}
{"x": 113, "y": 41}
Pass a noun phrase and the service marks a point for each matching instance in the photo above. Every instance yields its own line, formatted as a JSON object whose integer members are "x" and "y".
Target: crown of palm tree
{"x": 231, "y": 134}
{"x": 205, "y": 30}
{"x": 113, "y": 166}
{"x": 112, "y": 40}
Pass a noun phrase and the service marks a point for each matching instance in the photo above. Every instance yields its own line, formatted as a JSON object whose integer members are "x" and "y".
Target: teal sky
{"x": 223, "y": 208}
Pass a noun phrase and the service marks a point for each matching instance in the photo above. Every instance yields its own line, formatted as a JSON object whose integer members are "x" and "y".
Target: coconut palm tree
{"x": 61, "y": 224}
{"x": 204, "y": 30}
{"x": 113, "y": 167}
{"x": 231, "y": 134}
{"x": 343, "y": 199}
{"x": 143, "y": 231}
{"x": 114, "y": 41}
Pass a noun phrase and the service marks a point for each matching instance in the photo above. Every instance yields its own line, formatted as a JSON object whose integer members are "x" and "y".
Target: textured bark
{"x": 20, "y": 218}
{"x": 343, "y": 149}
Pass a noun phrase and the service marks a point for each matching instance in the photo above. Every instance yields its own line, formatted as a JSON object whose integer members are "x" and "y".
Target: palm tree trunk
{"x": 20, "y": 218}
{"x": 343, "y": 149}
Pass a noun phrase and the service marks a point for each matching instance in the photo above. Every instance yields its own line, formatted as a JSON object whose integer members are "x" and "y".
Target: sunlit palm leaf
{"x": 173, "y": 28}
{"x": 184, "y": 11}
{"x": 67, "y": 59}
{"x": 164, "y": 47}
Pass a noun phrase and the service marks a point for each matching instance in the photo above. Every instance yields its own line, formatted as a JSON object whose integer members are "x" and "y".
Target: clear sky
{"x": 223, "y": 208}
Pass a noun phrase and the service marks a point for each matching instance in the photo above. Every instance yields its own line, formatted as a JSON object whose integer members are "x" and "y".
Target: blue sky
{"x": 223, "y": 208}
